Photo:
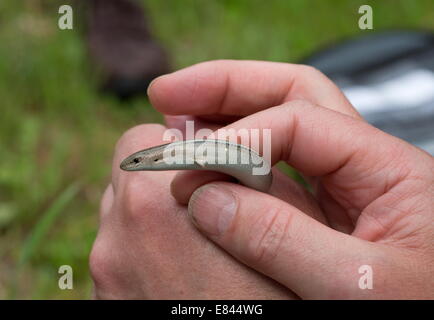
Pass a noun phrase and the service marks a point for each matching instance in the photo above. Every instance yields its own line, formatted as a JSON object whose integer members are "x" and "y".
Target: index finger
{"x": 229, "y": 87}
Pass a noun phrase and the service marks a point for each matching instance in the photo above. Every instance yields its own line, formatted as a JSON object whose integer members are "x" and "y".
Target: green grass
{"x": 57, "y": 132}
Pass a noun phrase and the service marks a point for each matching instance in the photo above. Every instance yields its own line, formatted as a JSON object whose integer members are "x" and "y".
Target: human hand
{"x": 376, "y": 192}
{"x": 147, "y": 248}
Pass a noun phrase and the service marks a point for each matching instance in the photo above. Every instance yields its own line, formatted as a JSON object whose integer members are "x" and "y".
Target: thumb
{"x": 280, "y": 241}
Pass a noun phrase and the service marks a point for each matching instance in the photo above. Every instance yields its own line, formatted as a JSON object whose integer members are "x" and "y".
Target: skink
{"x": 243, "y": 163}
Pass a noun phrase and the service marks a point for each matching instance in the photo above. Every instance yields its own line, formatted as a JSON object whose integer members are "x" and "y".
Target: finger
{"x": 133, "y": 140}
{"x": 279, "y": 240}
{"x": 348, "y": 154}
{"x": 177, "y": 122}
{"x": 196, "y": 124}
{"x": 186, "y": 182}
{"x": 229, "y": 87}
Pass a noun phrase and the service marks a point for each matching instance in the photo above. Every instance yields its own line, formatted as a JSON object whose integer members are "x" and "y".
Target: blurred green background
{"x": 57, "y": 132}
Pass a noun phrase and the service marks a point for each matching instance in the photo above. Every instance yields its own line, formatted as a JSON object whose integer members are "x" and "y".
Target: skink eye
{"x": 136, "y": 160}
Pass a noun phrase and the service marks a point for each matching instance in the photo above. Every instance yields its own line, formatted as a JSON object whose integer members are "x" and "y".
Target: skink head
{"x": 142, "y": 160}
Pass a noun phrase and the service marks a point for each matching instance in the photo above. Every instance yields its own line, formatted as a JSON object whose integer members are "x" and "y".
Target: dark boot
{"x": 121, "y": 45}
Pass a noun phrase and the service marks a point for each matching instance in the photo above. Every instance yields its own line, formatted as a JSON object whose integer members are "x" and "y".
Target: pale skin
{"x": 190, "y": 235}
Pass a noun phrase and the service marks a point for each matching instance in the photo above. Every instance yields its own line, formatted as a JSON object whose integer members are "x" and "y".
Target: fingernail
{"x": 212, "y": 208}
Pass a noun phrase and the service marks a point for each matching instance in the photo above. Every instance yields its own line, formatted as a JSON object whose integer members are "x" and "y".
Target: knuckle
{"x": 106, "y": 202}
{"x": 310, "y": 71}
{"x": 138, "y": 132}
{"x": 101, "y": 264}
{"x": 267, "y": 235}
{"x": 137, "y": 209}
{"x": 130, "y": 204}
{"x": 133, "y": 204}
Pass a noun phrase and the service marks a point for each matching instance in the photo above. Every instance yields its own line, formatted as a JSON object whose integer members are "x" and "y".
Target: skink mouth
{"x": 125, "y": 164}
